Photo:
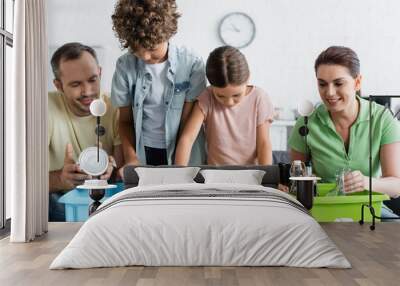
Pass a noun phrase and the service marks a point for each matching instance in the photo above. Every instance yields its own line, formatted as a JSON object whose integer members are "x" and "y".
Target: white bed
{"x": 201, "y": 224}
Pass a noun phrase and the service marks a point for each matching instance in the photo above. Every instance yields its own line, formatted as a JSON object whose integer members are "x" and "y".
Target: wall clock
{"x": 237, "y": 29}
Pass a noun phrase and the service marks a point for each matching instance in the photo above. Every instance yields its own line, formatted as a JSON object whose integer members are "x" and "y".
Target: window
{"x": 6, "y": 65}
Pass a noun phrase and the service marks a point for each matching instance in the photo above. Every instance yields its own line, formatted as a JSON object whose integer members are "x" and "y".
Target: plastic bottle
{"x": 309, "y": 171}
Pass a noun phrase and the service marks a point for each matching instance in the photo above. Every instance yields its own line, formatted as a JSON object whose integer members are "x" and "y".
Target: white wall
{"x": 86, "y": 21}
{"x": 290, "y": 34}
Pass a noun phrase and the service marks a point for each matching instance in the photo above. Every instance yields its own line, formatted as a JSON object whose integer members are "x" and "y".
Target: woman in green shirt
{"x": 339, "y": 129}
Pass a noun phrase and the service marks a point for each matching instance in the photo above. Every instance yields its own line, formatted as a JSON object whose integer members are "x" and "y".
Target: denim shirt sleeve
{"x": 120, "y": 89}
{"x": 197, "y": 80}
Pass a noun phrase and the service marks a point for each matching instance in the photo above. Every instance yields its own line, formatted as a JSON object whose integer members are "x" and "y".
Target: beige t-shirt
{"x": 231, "y": 132}
{"x": 64, "y": 127}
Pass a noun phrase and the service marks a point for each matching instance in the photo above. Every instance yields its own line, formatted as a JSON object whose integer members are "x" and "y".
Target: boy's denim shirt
{"x": 131, "y": 83}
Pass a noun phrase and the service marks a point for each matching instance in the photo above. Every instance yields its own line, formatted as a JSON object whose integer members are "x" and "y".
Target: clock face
{"x": 237, "y": 30}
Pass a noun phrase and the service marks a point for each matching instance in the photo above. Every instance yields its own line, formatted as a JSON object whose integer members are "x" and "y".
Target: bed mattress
{"x": 201, "y": 225}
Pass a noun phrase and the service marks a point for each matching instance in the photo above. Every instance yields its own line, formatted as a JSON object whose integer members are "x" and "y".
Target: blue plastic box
{"x": 77, "y": 202}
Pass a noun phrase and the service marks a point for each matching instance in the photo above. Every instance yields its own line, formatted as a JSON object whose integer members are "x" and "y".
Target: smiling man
{"x": 71, "y": 127}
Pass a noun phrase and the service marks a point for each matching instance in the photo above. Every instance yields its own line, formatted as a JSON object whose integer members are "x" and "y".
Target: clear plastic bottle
{"x": 339, "y": 190}
{"x": 308, "y": 170}
{"x": 340, "y": 181}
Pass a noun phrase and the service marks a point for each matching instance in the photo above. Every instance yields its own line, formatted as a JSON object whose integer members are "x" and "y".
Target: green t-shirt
{"x": 64, "y": 127}
{"x": 327, "y": 148}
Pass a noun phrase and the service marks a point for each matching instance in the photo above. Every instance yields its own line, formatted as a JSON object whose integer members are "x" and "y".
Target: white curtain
{"x": 26, "y": 124}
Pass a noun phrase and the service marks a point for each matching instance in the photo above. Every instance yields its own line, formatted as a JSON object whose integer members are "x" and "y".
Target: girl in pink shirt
{"x": 236, "y": 116}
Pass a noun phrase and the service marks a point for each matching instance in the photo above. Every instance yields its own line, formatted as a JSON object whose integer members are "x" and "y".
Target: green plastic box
{"x": 328, "y": 209}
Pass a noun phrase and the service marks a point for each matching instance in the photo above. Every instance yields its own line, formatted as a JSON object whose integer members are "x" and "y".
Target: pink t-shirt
{"x": 231, "y": 131}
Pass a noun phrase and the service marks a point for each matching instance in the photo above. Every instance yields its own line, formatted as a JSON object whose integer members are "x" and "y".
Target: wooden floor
{"x": 374, "y": 255}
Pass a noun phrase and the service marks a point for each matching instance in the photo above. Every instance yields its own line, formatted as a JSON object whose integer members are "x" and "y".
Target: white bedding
{"x": 185, "y": 230}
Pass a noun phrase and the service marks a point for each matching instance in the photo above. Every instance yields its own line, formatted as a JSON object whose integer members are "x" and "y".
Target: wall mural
{"x": 166, "y": 104}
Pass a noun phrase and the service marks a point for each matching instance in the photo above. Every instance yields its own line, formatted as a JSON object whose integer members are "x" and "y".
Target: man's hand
{"x": 111, "y": 166}
{"x": 71, "y": 175}
{"x": 355, "y": 182}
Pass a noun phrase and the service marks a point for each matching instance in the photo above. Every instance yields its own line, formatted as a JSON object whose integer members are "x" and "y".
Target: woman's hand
{"x": 355, "y": 181}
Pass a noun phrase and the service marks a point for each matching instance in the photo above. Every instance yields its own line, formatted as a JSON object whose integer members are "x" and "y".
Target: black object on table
{"x": 284, "y": 173}
{"x": 305, "y": 192}
{"x": 394, "y": 205}
{"x": 96, "y": 195}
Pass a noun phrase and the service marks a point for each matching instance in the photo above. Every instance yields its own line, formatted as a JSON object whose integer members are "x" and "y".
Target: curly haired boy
{"x": 155, "y": 83}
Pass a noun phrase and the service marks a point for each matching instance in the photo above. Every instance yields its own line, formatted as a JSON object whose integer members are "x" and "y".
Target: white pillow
{"x": 163, "y": 176}
{"x": 249, "y": 177}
